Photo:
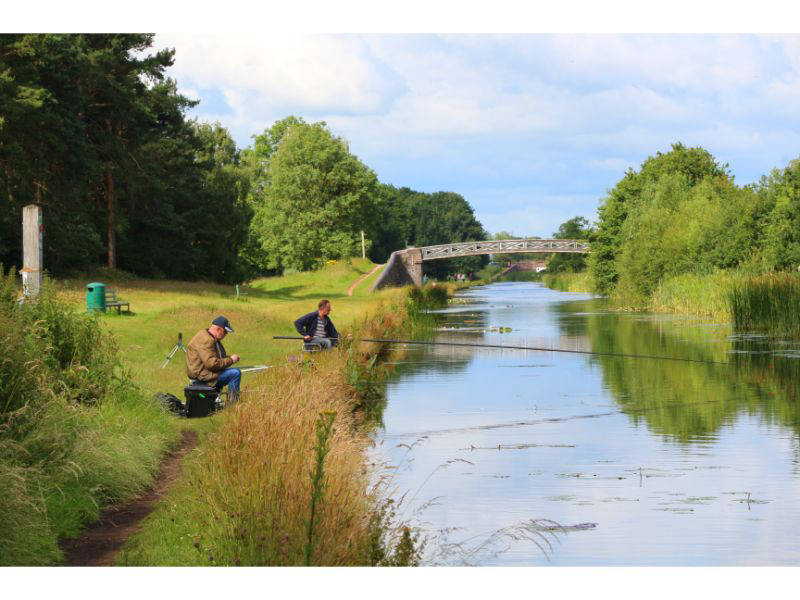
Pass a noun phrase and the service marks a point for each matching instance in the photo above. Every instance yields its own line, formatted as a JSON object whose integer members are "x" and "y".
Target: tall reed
{"x": 693, "y": 294}
{"x": 767, "y": 303}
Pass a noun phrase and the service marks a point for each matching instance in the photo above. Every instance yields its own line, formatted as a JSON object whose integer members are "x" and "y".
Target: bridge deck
{"x": 503, "y": 247}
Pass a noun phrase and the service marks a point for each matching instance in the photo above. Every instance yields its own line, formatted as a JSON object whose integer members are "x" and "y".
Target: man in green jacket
{"x": 207, "y": 361}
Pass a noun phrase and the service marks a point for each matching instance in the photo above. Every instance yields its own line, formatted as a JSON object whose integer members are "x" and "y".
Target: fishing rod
{"x": 294, "y": 337}
{"x": 508, "y": 347}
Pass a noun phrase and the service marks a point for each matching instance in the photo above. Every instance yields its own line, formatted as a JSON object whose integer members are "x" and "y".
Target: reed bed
{"x": 767, "y": 303}
{"x": 700, "y": 295}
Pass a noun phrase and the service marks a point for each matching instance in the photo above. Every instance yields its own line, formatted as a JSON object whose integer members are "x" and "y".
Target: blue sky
{"x": 530, "y": 129}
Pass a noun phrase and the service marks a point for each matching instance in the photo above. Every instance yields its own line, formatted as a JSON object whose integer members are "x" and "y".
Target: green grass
{"x": 76, "y": 434}
{"x": 254, "y": 491}
{"x": 266, "y": 307}
{"x": 79, "y": 429}
{"x": 568, "y": 282}
{"x": 520, "y": 276}
{"x": 488, "y": 273}
{"x": 700, "y": 295}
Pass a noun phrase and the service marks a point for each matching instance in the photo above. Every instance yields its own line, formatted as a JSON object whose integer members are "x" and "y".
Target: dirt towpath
{"x": 98, "y": 545}
{"x": 360, "y": 279}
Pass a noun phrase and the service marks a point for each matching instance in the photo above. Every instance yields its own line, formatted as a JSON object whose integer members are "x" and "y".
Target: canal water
{"x": 541, "y": 458}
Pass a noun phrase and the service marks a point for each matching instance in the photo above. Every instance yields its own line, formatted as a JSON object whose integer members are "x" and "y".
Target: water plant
{"x": 767, "y": 303}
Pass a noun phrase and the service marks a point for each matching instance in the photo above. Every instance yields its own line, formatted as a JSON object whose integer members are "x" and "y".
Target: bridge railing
{"x": 503, "y": 247}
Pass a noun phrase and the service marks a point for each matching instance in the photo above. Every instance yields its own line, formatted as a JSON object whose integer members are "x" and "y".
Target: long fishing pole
{"x": 509, "y": 347}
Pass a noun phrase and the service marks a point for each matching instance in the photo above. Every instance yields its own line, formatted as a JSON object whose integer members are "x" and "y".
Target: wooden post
{"x": 32, "y": 250}
{"x": 363, "y": 247}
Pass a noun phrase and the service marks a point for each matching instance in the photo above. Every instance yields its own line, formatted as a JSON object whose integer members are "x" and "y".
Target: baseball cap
{"x": 224, "y": 323}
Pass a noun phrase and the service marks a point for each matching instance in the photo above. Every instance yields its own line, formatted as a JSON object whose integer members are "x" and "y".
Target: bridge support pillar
{"x": 412, "y": 260}
{"x": 404, "y": 267}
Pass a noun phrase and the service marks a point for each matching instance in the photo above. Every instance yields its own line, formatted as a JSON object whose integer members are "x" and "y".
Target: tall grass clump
{"x": 694, "y": 294}
{"x": 767, "y": 303}
{"x": 427, "y": 297}
{"x": 272, "y": 486}
{"x": 415, "y": 315}
{"x": 568, "y": 282}
{"x": 324, "y": 432}
{"x": 75, "y": 434}
{"x": 277, "y": 483}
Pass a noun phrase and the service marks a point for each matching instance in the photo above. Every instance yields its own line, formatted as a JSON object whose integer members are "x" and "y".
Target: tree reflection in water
{"x": 687, "y": 401}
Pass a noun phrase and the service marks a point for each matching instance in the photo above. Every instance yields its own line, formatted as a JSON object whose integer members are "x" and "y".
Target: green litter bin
{"x": 95, "y": 297}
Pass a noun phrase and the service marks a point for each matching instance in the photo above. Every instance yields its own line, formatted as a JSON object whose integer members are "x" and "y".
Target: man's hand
{"x": 235, "y": 358}
{"x": 307, "y": 338}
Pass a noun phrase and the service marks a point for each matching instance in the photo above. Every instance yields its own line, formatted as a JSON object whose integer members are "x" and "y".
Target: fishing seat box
{"x": 200, "y": 399}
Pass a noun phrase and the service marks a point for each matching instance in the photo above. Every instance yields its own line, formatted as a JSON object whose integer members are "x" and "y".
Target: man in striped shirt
{"x": 317, "y": 328}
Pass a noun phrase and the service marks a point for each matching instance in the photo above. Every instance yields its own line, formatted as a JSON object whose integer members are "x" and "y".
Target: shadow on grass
{"x": 118, "y": 315}
{"x": 288, "y": 292}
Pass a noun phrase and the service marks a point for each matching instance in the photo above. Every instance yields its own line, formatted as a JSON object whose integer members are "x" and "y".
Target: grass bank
{"x": 698, "y": 295}
{"x": 282, "y": 480}
{"x": 751, "y": 303}
{"x": 76, "y": 433}
{"x": 265, "y": 307}
{"x": 767, "y": 303}
{"x": 80, "y": 430}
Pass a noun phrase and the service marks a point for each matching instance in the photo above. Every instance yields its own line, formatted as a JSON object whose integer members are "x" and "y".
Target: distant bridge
{"x": 405, "y": 266}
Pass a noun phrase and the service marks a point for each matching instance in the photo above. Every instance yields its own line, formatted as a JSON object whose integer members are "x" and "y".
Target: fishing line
{"x": 532, "y": 348}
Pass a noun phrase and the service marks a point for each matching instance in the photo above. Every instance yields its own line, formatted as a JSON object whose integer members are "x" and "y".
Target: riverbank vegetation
{"x": 81, "y": 430}
{"x": 679, "y": 235}
{"x": 568, "y": 281}
{"x": 767, "y": 303}
{"x": 257, "y": 484}
{"x": 76, "y": 433}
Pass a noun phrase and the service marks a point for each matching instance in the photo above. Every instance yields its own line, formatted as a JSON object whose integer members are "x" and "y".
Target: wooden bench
{"x": 112, "y": 302}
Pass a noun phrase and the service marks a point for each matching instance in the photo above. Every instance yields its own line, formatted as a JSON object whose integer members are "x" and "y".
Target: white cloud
{"x": 313, "y": 73}
{"x": 564, "y": 115}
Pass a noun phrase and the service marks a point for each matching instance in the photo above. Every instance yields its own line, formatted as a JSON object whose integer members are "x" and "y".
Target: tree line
{"x": 94, "y": 131}
{"x": 682, "y": 212}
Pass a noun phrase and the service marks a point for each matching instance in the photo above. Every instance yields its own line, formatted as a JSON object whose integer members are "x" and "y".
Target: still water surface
{"x": 644, "y": 462}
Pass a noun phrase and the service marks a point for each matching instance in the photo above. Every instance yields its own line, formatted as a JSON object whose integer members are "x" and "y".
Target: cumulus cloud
{"x": 562, "y": 114}
{"x": 305, "y": 73}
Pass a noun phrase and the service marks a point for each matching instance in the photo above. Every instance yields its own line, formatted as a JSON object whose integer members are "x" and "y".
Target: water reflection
{"x": 674, "y": 463}
{"x": 689, "y": 401}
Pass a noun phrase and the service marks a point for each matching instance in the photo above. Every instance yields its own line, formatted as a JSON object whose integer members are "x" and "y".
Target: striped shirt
{"x": 320, "y": 332}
